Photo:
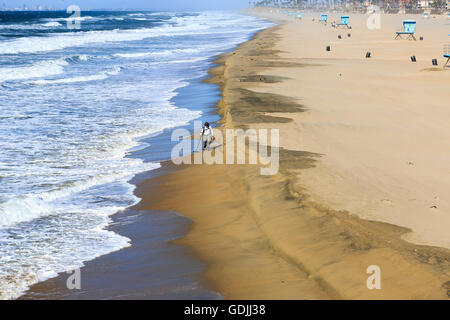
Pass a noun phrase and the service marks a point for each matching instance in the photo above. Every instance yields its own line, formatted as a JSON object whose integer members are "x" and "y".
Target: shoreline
{"x": 306, "y": 250}
{"x": 267, "y": 237}
{"x": 146, "y": 270}
{"x": 152, "y": 253}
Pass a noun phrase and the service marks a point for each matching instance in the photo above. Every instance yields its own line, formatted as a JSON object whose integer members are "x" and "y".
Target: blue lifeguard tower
{"x": 344, "y": 22}
{"x": 323, "y": 18}
{"x": 409, "y": 28}
{"x": 448, "y": 59}
{"x": 299, "y": 15}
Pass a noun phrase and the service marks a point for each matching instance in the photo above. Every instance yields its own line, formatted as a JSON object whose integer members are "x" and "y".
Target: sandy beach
{"x": 381, "y": 124}
{"x": 364, "y": 174}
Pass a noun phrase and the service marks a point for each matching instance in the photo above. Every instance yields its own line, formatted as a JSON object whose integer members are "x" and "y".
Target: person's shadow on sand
{"x": 212, "y": 147}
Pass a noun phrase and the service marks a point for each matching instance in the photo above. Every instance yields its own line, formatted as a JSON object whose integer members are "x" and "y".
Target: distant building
{"x": 425, "y": 4}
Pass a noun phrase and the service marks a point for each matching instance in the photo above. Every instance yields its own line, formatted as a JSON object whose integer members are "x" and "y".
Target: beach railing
{"x": 409, "y": 28}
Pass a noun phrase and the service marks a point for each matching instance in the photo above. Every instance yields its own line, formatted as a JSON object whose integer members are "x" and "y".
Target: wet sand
{"x": 150, "y": 267}
{"x": 271, "y": 237}
{"x": 296, "y": 235}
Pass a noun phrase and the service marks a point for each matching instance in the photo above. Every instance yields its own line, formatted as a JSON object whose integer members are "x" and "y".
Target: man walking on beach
{"x": 207, "y": 134}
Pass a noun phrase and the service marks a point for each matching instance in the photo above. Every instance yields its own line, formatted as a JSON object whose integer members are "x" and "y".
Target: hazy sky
{"x": 143, "y": 4}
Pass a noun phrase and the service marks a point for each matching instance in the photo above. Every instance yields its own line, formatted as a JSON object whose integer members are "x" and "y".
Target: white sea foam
{"x": 52, "y": 24}
{"x": 47, "y": 68}
{"x": 82, "y": 18}
{"x": 157, "y": 53}
{"x": 58, "y": 231}
{"x": 58, "y": 243}
{"x": 41, "y": 26}
{"x": 76, "y": 39}
{"x": 134, "y": 55}
{"x": 39, "y": 69}
{"x": 95, "y": 77}
{"x": 26, "y": 208}
{"x": 81, "y": 57}
{"x": 64, "y": 167}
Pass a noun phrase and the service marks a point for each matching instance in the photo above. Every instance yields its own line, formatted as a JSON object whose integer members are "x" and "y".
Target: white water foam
{"x": 26, "y": 208}
{"x": 83, "y": 18}
{"x": 76, "y": 39}
{"x": 158, "y": 53}
{"x": 37, "y": 70}
{"x": 67, "y": 172}
{"x": 95, "y": 77}
{"x": 69, "y": 224}
{"x": 52, "y": 24}
{"x": 41, "y": 26}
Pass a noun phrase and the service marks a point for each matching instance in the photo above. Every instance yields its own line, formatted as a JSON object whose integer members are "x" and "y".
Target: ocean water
{"x": 73, "y": 105}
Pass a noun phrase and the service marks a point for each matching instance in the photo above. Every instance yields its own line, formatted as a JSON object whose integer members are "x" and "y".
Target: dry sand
{"x": 363, "y": 167}
{"x": 381, "y": 124}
